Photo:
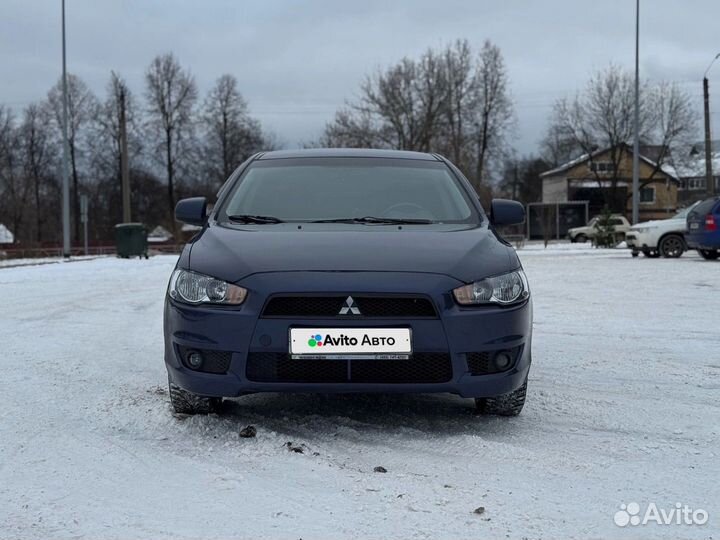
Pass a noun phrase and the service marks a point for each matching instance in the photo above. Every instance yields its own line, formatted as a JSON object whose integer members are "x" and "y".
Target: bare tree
{"x": 558, "y": 146}
{"x": 105, "y": 191}
{"x": 37, "y": 156}
{"x": 350, "y": 129}
{"x": 520, "y": 178}
{"x": 231, "y": 135}
{"x": 453, "y": 102}
{"x": 458, "y": 112}
{"x": 402, "y": 106}
{"x": 14, "y": 191}
{"x": 105, "y": 142}
{"x": 673, "y": 125}
{"x": 602, "y": 117}
{"x": 171, "y": 94}
{"x": 81, "y": 106}
{"x": 397, "y": 97}
{"x": 493, "y": 109}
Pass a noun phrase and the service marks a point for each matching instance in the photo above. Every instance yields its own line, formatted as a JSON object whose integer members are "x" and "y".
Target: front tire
{"x": 580, "y": 238}
{"x": 509, "y": 404}
{"x": 185, "y": 402}
{"x": 672, "y": 246}
{"x": 709, "y": 254}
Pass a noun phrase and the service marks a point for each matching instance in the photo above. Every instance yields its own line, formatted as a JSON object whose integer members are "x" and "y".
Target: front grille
{"x": 213, "y": 361}
{"x": 330, "y": 306}
{"x": 421, "y": 368}
{"x": 279, "y": 367}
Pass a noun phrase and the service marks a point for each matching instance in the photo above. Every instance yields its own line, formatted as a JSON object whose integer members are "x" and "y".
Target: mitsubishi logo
{"x": 349, "y": 307}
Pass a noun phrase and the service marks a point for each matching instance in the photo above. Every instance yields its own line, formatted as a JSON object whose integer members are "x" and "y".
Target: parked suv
{"x": 348, "y": 271}
{"x": 703, "y": 224}
{"x": 661, "y": 237}
{"x": 582, "y": 234}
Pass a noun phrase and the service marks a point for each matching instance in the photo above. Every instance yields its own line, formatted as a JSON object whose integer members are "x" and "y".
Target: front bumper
{"x": 631, "y": 239}
{"x": 456, "y": 336}
{"x": 640, "y": 241}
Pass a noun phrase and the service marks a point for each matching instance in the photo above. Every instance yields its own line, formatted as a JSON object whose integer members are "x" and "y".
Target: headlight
{"x": 643, "y": 228}
{"x": 194, "y": 288}
{"x": 504, "y": 289}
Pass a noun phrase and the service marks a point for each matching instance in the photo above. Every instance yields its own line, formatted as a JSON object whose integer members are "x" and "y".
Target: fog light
{"x": 194, "y": 359}
{"x": 503, "y": 359}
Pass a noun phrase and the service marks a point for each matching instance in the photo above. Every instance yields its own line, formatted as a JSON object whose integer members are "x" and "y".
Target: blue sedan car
{"x": 703, "y": 225}
{"x": 348, "y": 271}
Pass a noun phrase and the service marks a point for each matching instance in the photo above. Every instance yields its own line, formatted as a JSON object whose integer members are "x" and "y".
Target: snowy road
{"x": 622, "y": 406}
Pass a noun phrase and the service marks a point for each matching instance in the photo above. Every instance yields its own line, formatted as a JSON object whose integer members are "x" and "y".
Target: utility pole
{"x": 66, "y": 151}
{"x": 709, "y": 181}
{"x": 636, "y": 123}
{"x": 124, "y": 169}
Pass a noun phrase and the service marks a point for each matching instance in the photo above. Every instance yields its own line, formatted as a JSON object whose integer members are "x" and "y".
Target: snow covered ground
{"x": 622, "y": 407}
{"x": 35, "y": 261}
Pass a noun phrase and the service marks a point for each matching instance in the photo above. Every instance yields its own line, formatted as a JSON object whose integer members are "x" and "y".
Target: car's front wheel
{"x": 580, "y": 238}
{"x": 185, "y": 402}
{"x": 709, "y": 254}
{"x": 509, "y": 404}
{"x": 672, "y": 246}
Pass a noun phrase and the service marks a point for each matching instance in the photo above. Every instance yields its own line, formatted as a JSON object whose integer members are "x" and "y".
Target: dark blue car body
{"x": 300, "y": 277}
{"x": 703, "y": 224}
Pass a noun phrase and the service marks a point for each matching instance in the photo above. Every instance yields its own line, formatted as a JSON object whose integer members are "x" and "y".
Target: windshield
{"x": 350, "y": 188}
{"x": 682, "y": 214}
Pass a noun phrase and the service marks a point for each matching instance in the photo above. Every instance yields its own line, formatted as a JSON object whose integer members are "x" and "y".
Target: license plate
{"x": 694, "y": 225}
{"x": 357, "y": 343}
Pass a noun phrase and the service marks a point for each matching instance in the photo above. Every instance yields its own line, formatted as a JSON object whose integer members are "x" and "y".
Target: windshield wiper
{"x": 376, "y": 220}
{"x": 249, "y": 218}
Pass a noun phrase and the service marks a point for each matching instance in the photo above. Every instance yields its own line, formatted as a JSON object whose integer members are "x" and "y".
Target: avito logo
{"x": 631, "y": 514}
{"x": 316, "y": 340}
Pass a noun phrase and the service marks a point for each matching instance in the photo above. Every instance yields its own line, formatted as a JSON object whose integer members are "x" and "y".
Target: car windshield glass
{"x": 682, "y": 214}
{"x": 703, "y": 207}
{"x": 360, "y": 190}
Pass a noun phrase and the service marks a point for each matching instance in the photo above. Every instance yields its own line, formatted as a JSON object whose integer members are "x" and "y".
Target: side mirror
{"x": 192, "y": 211}
{"x": 505, "y": 212}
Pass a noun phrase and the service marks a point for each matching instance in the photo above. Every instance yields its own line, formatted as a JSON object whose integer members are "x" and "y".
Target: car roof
{"x": 346, "y": 152}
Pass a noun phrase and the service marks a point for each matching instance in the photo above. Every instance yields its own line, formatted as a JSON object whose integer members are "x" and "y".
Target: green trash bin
{"x": 131, "y": 240}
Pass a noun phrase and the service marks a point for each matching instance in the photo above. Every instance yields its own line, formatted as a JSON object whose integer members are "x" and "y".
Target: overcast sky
{"x": 298, "y": 61}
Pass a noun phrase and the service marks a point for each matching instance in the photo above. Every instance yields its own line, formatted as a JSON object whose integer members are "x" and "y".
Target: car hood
{"x": 671, "y": 223}
{"x": 465, "y": 254}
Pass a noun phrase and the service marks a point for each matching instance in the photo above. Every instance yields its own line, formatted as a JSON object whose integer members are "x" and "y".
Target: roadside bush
{"x": 605, "y": 236}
